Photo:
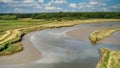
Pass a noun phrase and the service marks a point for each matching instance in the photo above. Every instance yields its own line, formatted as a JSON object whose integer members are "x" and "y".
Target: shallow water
{"x": 57, "y": 47}
{"x": 61, "y": 51}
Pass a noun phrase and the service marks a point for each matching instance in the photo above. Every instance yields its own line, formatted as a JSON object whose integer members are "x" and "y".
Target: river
{"x": 60, "y": 50}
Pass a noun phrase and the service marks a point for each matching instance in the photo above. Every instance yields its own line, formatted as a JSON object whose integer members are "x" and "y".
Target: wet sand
{"x": 83, "y": 35}
{"x": 29, "y": 53}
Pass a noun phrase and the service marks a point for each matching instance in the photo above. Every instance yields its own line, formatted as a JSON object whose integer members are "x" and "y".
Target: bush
{"x": 8, "y": 17}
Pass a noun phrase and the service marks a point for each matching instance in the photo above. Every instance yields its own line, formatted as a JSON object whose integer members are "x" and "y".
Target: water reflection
{"x": 59, "y": 48}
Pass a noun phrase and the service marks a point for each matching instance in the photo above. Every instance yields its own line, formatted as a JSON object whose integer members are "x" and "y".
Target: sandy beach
{"x": 29, "y": 54}
{"x": 83, "y": 35}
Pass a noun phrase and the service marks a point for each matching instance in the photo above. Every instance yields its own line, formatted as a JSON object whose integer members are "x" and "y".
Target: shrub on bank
{"x": 11, "y": 46}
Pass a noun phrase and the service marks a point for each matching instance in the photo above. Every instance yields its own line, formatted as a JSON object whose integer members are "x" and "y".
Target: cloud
{"x": 40, "y": 1}
{"x": 99, "y": 0}
{"x": 24, "y": 4}
{"x": 57, "y": 5}
{"x": 52, "y": 8}
{"x": 94, "y": 3}
{"x": 116, "y": 6}
{"x": 73, "y": 5}
{"x": 54, "y": 5}
{"x": 92, "y": 6}
{"x": 89, "y": 6}
{"x": 19, "y": 10}
{"x": 6, "y": 1}
{"x": 28, "y": 1}
{"x": 58, "y": 1}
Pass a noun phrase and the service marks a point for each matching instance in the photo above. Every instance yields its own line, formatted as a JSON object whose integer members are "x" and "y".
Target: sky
{"x": 37, "y": 6}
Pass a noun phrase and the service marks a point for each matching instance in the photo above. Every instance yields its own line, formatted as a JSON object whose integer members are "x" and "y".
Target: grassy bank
{"x": 101, "y": 34}
{"x": 110, "y": 59}
{"x": 12, "y": 31}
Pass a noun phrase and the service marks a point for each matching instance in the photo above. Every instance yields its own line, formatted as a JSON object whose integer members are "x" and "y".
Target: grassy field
{"x": 12, "y": 31}
{"x": 110, "y": 59}
{"x": 101, "y": 34}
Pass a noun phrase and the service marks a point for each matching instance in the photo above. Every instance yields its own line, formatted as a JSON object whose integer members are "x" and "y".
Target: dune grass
{"x": 110, "y": 59}
{"x": 13, "y": 31}
{"x": 101, "y": 34}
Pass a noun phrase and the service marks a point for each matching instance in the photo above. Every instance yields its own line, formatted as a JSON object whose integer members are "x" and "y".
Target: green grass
{"x": 13, "y": 24}
{"x": 110, "y": 59}
{"x": 98, "y": 35}
{"x": 106, "y": 59}
{"x": 11, "y": 46}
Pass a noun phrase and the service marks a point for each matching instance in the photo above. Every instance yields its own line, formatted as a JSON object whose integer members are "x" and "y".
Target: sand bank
{"x": 82, "y": 34}
{"x": 29, "y": 54}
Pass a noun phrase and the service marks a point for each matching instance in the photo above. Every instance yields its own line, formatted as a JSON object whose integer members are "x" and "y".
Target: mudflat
{"x": 29, "y": 54}
{"x": 83, "y": 35}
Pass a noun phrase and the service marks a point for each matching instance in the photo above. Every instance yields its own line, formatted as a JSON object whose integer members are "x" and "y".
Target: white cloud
{"x": 28, "y": 1}
{"x": 57, "y": 5}
{"x": 84, "y": 5}
{"x": 24, "y": 6}
{"x": 53, "y": 5}
{"x": 52, "y": 8}
{"x": 89, "y": 6}
{"x": 40, "y": 1}
{"x": 22, "y": 10}
{"x": 73, "y": 5}
{"x": 6, "y": 1}
{"x": 24, "y": 3}
{"x": 116, "y": 6}
{"x": 19, "y": 10}
{"x": 99, "y": 0}
{"x": 49, "y": 4}
{"x": 58, "y": 1}
{"x": 94, "y": 3}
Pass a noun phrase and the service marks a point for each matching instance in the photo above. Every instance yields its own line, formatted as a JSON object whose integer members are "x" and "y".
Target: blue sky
{"x": 32, "y": 6}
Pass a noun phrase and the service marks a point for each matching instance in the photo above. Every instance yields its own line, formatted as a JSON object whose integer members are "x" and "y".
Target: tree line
{"x": 61, "y": 15}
